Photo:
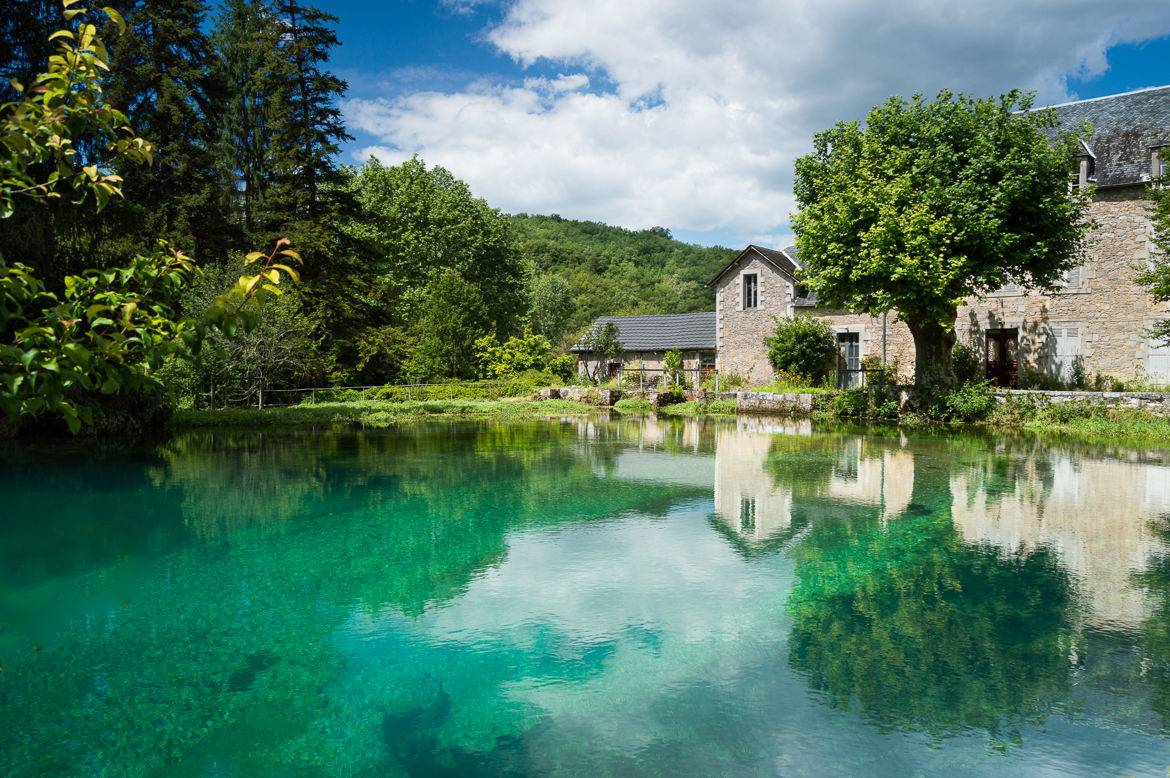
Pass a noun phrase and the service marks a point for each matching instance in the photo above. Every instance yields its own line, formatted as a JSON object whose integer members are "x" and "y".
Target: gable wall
{"x": 740, "y": 334}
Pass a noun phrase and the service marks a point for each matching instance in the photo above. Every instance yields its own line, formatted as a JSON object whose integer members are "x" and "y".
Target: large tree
{"x": 933, "y": 201}
{"x": 1157, "y": 278}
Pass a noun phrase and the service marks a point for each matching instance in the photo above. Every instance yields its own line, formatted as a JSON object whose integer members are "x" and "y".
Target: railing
{"x": 254, "y": 393}
{"x": 642, "y": 378}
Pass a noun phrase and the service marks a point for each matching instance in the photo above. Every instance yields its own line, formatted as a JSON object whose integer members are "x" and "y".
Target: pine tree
{"x": 244, "y": 127}
{"x": 307, "y": 130}
{"x": 165, "y": 83}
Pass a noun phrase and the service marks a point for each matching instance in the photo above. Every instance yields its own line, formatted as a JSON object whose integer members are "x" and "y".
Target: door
{"x": 848, "y": 360}
{"x": 1003, "y": 350}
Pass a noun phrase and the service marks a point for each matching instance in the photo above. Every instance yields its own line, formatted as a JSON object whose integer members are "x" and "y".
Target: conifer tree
{"x": 244, "y": 126}
{"x": 307, "y": 129}
{"x": 165, "y": 83}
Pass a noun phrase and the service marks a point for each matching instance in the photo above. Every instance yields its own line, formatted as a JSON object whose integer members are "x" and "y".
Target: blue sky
{"x": 688, "y": 115}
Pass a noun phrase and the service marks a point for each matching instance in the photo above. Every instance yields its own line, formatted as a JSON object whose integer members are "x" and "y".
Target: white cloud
{"x": 710, "y": 103}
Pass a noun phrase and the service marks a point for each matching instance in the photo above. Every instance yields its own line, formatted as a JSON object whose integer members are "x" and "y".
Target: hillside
{"x": 615, "y": 271}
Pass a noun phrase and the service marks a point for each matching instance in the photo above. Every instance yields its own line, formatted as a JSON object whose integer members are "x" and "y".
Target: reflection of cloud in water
{"x": 1094, "y": 513}
{"x": 670, "y": 602}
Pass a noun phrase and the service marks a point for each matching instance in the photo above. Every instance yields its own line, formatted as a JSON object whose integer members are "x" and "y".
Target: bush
{"x": 802, "y": 345}
{"x": 967, "y": 364}
{"x": 973, "y": 401}
{"x": 727, "y": 381}
{"x": 672, "y": 396}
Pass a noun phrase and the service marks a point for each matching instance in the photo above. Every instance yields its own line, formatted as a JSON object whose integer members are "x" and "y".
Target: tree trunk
{"x": 933, "y": 343}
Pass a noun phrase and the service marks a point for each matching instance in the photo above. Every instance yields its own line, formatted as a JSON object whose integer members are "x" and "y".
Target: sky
{"x": 688, "y": 114}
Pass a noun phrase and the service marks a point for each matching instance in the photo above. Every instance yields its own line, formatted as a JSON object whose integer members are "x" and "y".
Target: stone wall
{"x": 898, "y": 342}
{"x": 1157, "y": 402}
{"x": 773, "y": 402}
{"x": 1105, "y": 306}
{"x": 740, "y": 333}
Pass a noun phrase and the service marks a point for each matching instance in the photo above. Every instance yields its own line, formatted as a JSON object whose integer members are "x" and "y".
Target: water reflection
{"x": 944, "y": 585}
{"x": 601, "y": 596}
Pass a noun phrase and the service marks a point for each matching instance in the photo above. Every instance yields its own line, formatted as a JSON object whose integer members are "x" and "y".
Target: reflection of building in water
{"x": 871, "y": 473}
{"x": 747, "y": 498}
{"x": 756, "y": 502}
{"x": 1094, "y": 514}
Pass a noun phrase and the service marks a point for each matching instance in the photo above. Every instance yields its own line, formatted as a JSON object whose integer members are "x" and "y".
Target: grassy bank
{"x": 375, "y": 414}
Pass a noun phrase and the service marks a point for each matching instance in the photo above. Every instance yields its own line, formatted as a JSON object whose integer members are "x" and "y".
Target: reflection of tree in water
{"x": 231, "y": 641}
{"x": 1155, "y": 632}
{"x": 922, "y": 631}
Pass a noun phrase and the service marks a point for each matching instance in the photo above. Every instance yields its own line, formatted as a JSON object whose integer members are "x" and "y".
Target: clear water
{"x": 586, "y": 597}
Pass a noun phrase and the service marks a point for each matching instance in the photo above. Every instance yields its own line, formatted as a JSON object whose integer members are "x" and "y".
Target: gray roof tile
{"x": 1125, "y": 127}
{"x": 660, "y": 332}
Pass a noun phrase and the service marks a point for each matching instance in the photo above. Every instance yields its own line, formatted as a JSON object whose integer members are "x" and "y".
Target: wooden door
{"x": 1003, "y": 354}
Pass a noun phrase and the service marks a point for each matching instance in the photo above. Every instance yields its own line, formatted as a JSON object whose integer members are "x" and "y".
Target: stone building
{"x": 645, "y": 341}
{"x": 1096, "y": 322}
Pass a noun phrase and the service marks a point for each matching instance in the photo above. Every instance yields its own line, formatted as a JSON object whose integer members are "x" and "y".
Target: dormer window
{"x": 1085, "y": 170}
{"x": 1159, "y": 166}
{"x": 750, "y": 291}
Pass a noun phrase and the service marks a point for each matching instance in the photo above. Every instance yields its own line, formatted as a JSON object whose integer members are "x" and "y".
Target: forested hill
{"x": 615, "y": 271}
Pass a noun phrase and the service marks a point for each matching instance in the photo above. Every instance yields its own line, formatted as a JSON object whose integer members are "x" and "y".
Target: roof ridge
{"x": 1104, "y": 97}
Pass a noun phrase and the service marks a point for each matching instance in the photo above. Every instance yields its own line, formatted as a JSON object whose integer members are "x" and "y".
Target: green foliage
{"x": 801, "y": 345}
{"x": 970, "y": 402}
{"x": 933, "y": 201}
{"x": 413, "y": 225}
{"x": 728, "y": 381}
{"x": 611, "y": 271}
{"x": 967, "y": 364}
{"x": 1157, "y": 278}
{"x": 672, "y": 364}
{"x": 671, "y": 396}
{"x": 516, "y": 355}
{"x": 453, "y": 319}
{"x": 109, "y": 331}
{"x": 551, "y": 306}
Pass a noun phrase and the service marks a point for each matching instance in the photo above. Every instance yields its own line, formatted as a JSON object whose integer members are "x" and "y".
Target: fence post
{"x": 716, "y": 382}
{"x": 260, "y": 397}
{"x": 213, "y": 395}
{"x": 408, "y": 392}
{"x": 363, "y": 395}
{"x": 450, "y": 392}
{"x": 314, "y": 397}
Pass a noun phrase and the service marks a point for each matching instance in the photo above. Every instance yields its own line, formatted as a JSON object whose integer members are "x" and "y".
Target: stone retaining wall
{"x": 581, "y": 394}
{"x": 773, "y": 402}
{"x": 1158, "y": 402}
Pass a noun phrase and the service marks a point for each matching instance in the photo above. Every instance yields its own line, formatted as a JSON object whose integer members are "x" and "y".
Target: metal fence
{"x": 642, "y": 378}
{"x": 243, "y": 394}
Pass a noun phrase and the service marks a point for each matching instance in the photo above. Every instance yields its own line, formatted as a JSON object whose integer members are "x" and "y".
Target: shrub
{"x": 672, "y": 396}
{"x": 966, "y": 363}
{"x": 802, "y": 345}
{"x": 727, "y": 381}
{"x": 672, "y": 365}
{"x": 973, "y": 401}
{"x": 852, "y": 403}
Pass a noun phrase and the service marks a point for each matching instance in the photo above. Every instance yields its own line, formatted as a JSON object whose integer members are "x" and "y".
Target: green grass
{"x": 633, "y": 405}
{"x": 697, "y": 408}
{"x": 779, "y": 387}
{"x": 374, "y": 414}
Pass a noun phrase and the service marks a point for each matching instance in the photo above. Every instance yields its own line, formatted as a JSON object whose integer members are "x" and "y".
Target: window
{"x": 747, "y": 514}
{"x": 750, "y": 296}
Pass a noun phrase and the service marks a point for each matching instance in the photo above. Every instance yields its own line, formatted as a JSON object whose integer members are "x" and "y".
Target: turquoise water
{"x": 586, "y": 597}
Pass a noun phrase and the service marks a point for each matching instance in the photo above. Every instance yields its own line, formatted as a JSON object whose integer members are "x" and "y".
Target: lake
{"x": 586, "y": 596}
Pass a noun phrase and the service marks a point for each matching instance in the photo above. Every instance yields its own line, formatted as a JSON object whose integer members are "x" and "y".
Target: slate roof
{"x": 661, "y": 332}
{"x": 784, "y": 260}
{"x": 1125, "y": 128}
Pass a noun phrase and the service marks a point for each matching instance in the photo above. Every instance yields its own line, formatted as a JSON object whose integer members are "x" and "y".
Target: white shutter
{"x": 1068, "y": 348}
{"x": 1158, "y": 362}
